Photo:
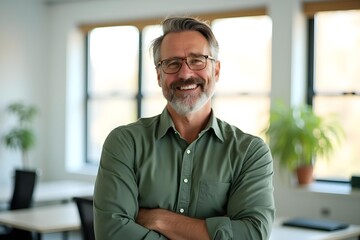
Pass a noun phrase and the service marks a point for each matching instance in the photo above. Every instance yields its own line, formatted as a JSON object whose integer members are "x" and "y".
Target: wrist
{"x": 162, "y": 219}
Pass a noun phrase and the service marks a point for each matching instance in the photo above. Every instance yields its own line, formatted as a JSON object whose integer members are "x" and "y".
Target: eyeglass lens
{"x": 193, "y": 62}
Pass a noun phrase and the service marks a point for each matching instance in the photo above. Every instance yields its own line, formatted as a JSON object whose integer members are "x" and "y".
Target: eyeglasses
{"x": 173, "y": 65}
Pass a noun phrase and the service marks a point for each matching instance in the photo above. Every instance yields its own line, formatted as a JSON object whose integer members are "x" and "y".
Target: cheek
{"x": 165, "y": 80}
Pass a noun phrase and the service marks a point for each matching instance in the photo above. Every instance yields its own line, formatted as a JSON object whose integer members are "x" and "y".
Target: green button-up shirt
{"x": 224, "y": 177}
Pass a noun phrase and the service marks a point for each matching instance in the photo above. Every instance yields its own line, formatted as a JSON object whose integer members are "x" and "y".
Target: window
{"x": 334, "y": 85}
{"x": 242, "y": 96}
{"x": 112, "y": 84}
{"x": 153, "y": 101}
{"x": 122, "y": 83}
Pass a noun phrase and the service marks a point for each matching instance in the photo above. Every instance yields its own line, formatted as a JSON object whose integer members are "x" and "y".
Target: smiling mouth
{"x": 187, "y": 87}
{"x": 189, "y": 84}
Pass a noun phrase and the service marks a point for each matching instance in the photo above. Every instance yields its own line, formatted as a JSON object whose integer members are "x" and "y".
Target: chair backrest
{"x": 24, "y": 185}
{"x": 85, "y": 207}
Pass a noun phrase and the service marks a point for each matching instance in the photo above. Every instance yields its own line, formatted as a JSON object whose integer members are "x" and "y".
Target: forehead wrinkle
{"x": 188, "y": 43}
{"x": 188, "y": 55}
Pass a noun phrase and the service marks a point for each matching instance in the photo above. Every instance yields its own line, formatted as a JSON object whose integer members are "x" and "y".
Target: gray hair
{"x": 180, "y": 24}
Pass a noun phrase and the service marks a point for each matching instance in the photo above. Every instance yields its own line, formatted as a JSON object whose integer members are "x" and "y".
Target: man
{"x": 184, "y": 174}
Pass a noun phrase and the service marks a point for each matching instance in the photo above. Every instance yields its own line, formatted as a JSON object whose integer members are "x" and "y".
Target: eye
{"x": 196, "y": 60}
{"x": 172, "y": 63}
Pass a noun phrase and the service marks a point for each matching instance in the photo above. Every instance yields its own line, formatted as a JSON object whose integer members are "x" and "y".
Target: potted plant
{"x": 21, "y": 136}
{"x": 297, "y": 136}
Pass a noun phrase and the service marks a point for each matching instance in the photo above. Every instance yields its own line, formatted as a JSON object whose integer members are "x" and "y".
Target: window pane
{"x": 245, "y": 76}
{"x": 113, "y": 60}
{"x": 337, "y": 49}
{"x": 245, "y": 54}
{"x": 337, "y": 61}
{"x": 153, "y": 101}
{"x": 103, "y": 116}
{"x": 345, "y": 160}
{"x": 112, "y": 83}
{"x": 149, "y": 83}
{"x": 250, "y": 114}
{"x": 153, "y": 105}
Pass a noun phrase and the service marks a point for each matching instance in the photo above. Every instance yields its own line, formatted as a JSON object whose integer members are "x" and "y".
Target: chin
{"x": 186, "y": 108}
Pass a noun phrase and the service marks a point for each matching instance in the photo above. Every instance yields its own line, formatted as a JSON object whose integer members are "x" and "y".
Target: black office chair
{"x": 24, "y": 185}
{"x": 85, "y": 208}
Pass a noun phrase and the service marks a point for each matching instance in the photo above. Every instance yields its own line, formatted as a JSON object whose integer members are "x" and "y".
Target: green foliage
{"x": 297, "y": 135}
{"x": 21, "y": 136}
{"x": 25, "y": 114}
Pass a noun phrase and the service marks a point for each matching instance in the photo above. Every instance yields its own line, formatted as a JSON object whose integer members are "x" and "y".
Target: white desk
{"x": 63, "y": 190}
{"x": 45, "y": 219}
{"x": 280, "y": 232}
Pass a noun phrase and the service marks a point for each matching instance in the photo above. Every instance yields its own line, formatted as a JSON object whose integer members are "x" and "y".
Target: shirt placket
{"x": 185, "y": 182}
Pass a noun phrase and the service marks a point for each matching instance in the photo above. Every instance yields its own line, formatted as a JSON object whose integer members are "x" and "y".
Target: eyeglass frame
{"x": 186, "y": 61}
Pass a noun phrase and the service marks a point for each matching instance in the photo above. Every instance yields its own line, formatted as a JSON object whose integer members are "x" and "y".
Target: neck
{"x": 190, "y": 125}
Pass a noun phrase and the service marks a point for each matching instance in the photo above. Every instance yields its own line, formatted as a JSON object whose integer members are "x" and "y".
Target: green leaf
{"x": 297, "y": 135}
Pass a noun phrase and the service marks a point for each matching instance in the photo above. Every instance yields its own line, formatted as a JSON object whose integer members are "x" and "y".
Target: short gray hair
{"x": 181, "y": 24}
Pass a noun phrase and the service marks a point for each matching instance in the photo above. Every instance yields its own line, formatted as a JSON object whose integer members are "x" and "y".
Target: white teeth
{"x": 188, "y": 87}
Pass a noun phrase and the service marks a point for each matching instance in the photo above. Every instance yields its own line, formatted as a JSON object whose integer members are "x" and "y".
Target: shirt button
{"x": 182, "y": 210}
{"x": 188, "y": 151}
{"x": 186, "y": 180}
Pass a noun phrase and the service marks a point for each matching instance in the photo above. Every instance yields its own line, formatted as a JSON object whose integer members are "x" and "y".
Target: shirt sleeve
{"x": 116, "y": 192}
{"x": 251, "y": 208}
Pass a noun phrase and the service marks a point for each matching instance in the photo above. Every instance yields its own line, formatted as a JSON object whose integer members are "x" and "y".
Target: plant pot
{"x": 305, "y": 174}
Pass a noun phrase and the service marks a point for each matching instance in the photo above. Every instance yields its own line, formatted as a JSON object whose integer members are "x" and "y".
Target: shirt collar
{"x": 166, "y": 123}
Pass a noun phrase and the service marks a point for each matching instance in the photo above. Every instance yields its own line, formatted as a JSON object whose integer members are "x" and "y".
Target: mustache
{"x": 188, "y": 81}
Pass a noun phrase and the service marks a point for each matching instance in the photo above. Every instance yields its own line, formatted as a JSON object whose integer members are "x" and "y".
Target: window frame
{"x": 140, "y": 25}
{"x": 310, "y": 9}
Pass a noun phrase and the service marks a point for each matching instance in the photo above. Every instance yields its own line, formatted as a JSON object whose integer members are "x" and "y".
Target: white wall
{"x": 23, "y": 73}
{"x": 41, "y": 62}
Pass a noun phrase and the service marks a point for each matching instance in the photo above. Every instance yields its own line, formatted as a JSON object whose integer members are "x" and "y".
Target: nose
{"x": 185, "y": 71}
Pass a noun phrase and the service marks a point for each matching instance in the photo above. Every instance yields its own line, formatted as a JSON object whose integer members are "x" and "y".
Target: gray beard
{"x": 183, "y": 107}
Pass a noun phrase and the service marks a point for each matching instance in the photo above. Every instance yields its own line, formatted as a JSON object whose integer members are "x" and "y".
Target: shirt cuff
{"x": 152, "y": 235}
{"x": 219, "y": 228}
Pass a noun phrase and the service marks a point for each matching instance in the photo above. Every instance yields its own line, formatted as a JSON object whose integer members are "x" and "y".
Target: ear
{"x": 158, "y": 74}
{"x": 217, "y": 70}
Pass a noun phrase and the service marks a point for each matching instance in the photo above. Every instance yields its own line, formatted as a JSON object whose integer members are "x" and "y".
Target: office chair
{"x": 24, "y": 185}
{"x": 85, "y": 208}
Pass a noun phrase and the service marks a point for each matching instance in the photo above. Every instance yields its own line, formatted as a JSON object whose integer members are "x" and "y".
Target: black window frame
{"x": 138, "y": 97}
{"x": 311, "y": 93}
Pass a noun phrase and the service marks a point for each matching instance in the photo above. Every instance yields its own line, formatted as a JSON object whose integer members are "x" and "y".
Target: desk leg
{"x": 65, "y": 235}
{"x": 38, "y": 236}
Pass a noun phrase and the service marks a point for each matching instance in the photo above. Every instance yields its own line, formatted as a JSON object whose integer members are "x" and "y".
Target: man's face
{"x": 187, "y": 90}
